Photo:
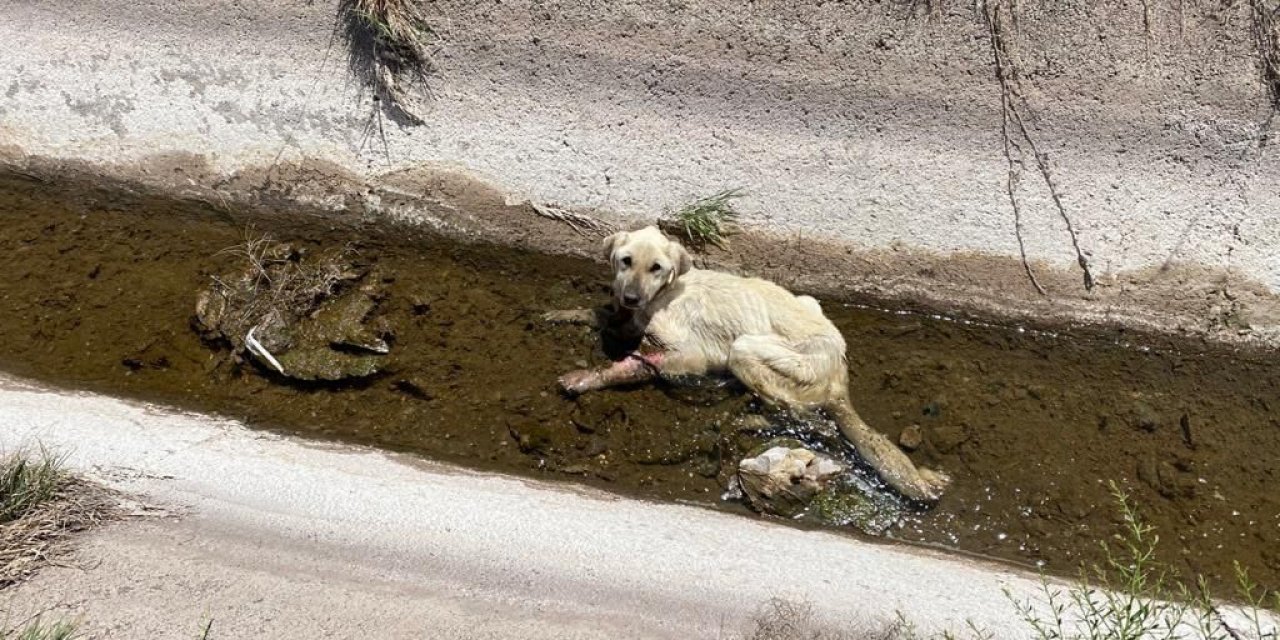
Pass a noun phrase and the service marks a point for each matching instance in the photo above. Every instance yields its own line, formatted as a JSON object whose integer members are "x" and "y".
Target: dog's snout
{"x": 630, "y": 299}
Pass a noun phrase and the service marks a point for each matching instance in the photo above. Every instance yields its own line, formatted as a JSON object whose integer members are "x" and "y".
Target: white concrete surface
{"x": 282, "y": 536}
{"x": 875, "y": 126}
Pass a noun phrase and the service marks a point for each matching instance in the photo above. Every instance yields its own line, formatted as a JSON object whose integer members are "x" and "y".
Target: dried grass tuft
{"x": 41, "y": 506}
{"x": 388, "y": 42}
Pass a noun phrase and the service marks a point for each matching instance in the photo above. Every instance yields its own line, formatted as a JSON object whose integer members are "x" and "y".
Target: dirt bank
{"x": 100, "y": 288}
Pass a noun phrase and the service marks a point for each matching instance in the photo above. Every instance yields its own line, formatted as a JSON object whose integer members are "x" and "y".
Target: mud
{"x": 99, "y": 288}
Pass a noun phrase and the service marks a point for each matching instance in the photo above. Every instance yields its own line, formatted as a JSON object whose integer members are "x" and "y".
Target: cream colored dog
{"x": 699, "y": 322}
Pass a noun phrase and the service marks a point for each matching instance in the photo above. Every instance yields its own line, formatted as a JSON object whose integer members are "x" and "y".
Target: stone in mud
{"x": 783, "y": 478}
{"x": 211, "y": 306}
{"x": 911, "y": 437}
{"x": 347, "y": 322}
{"x": 844, "y": 505}
{"x": 322, "y": 363}
{"x": 1176, "y": 483}
{"x": 708, "y": 467}
{"x": 532, "y": 437}
{"x": 594, "y": 446}
{"x": 337, "y": 342}
{"x": 1145, "y": 417}
{"x": 948, "y": 438}
{"x": 1173, "y": 481}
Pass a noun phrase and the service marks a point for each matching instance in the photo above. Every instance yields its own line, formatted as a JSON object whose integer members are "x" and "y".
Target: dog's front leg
{"x": 594, "y": 318}
{"x": 631, "y": 369}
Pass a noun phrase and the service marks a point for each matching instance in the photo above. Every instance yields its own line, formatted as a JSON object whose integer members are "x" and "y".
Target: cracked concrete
{"x": 873, "y": 128}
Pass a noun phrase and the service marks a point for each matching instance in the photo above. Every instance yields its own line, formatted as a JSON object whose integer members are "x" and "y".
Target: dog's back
{"x": 711, "y": 309}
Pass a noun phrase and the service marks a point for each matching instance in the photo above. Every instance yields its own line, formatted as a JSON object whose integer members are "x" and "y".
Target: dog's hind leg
{"x": 916, "y": 483}
{"x": 812, "y": 378}
{"x": 775, "y": 370}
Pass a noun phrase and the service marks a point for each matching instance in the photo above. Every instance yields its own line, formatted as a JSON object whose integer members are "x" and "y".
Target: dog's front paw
{"x": 570, "y": 316}
{"x": 578, "y": 382}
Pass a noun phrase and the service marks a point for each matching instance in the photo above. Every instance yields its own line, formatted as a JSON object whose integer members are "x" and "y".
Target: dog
{"x": 697, "y": 322}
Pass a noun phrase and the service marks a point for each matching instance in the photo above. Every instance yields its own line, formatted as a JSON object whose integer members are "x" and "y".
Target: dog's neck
{"x": 641, "y": 317}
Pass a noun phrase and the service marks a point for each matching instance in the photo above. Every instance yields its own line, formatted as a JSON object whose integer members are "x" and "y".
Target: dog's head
{"x": 644, "y": 263}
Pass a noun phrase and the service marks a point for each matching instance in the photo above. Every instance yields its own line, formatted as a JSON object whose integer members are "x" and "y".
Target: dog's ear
{"x": 681, "y": 261}
{"x": 612, "y": 243}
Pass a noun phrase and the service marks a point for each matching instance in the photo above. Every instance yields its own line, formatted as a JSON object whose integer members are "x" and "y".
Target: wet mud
{"x": 99, "y": 287}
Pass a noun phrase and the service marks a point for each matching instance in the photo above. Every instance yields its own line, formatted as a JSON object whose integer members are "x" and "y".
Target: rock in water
{"x": 785, "y": 478}
{"x": 845, "y": 504}
{"x": 338, "y": 341}
{"x": 782, "y": 479}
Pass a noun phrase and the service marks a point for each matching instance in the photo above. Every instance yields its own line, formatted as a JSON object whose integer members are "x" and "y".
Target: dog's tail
{"x": 919, "y": 484}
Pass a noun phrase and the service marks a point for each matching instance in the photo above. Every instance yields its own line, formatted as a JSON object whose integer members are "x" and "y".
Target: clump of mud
{"x": 307, "y": 316}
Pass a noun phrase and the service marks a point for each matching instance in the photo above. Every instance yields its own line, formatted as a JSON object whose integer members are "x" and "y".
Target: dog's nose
{"x": 630, "y": 299}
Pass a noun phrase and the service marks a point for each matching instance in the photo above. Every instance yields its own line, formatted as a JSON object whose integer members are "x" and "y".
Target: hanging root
{"x": 1013, "y": 105}
{"x": 1266, "y": 33}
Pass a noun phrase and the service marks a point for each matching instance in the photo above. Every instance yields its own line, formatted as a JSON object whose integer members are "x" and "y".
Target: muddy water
{"x": 98, "y": 290}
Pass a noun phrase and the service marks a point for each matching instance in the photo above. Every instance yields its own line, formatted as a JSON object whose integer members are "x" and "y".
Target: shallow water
{"x": 99, "y": 289}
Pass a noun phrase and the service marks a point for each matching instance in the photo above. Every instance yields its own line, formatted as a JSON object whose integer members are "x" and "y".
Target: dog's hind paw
{"x": 936, "y": 482}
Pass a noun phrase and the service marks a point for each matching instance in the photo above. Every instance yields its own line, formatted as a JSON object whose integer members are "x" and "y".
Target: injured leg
{"x": 628, "y": 370}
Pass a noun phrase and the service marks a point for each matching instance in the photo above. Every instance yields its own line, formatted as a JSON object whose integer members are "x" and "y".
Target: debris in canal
{"x": 911, "y": 437}
{"x": 307, "y": 317}
{"x": 784, "y": 477}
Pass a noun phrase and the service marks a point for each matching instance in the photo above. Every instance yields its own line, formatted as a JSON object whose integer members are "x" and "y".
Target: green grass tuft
{"x": 27, "y": 480}
{"x": 705, "y": 221}
{"x": 39, "y": 631}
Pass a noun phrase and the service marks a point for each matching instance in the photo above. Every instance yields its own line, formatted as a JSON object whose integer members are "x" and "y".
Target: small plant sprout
{"x": 1133, "y": 596}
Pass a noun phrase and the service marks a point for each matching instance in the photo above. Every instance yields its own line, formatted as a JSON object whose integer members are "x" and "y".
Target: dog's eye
{"x": 655, "y": 268}
{"x": 626, "y": 261}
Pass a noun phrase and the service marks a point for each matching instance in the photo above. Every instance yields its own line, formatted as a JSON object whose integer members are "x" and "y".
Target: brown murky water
{"x": 98, "y": 290}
